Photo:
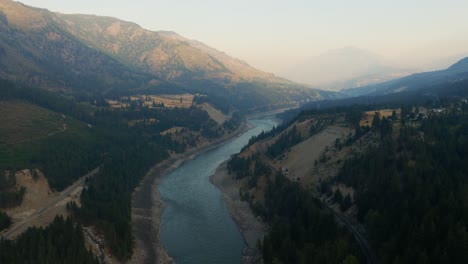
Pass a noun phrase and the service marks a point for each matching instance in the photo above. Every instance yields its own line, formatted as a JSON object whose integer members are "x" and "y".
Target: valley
{"x": 334, "y": 185}
{"x": 122, "y": 143}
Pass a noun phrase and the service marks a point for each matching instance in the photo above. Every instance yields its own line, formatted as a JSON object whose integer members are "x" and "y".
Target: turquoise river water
{"x": 195, "y": 224}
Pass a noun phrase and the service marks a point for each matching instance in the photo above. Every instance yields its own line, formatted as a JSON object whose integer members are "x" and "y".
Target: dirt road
{"x": 59, "y": 201}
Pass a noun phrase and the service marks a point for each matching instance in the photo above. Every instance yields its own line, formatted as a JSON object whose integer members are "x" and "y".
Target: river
{"x": 195, "y": 224}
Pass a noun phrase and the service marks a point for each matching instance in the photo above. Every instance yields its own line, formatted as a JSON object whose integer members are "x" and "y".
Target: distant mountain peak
{"x": 416, "y": 82}
{"x": 351, "y": 51}
{"x": 461, "y": 65}
{"x": 343, "y": 67}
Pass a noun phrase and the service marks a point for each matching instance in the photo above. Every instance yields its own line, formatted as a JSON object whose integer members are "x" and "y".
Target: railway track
{"x": 359, "y": 237}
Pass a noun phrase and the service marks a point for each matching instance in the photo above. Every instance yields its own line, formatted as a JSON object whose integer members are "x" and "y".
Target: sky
{"x": 275, "y": 34}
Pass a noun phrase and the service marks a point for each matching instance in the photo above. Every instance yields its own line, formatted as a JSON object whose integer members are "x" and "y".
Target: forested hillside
{"x": 87, "y": 55}
{"x": 123, "y": 142}
{"x": 402, "y": 176}
{"x": 302, "y": 229}
{"x": 411, "y": 190}
{"x": 60, "y": 242}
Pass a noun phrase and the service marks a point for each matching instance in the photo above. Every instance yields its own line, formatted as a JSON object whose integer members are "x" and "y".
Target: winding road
{"x": 17, "y": 228}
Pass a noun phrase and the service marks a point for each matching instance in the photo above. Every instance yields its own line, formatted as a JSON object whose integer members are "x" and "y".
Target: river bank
{"x": 147, "y": 206}
{"x": 251, "y": 228}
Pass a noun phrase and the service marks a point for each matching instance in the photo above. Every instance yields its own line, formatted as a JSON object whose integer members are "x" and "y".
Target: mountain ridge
{"x": 94, "y": 54}
{"x": 159, "y": 52}
{"x": 38, "y": 52}
{"x": 344, "y": 67}
{"x": 415, "y": 82}
{"x": 461, "y": 65}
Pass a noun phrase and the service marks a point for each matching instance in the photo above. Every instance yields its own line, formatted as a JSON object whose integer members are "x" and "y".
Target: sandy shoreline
{"x": 147, "y": 205}
{"x": 251, "y": 228}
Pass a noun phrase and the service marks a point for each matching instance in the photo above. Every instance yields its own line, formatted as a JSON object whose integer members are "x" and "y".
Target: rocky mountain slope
{"x": 163, "y": 53}
{"x": 108, "y": 56}
{"x": 34, "y": 49}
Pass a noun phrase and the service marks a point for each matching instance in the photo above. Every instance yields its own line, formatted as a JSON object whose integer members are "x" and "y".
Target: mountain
{"x": 164, "y": 54}
{"x": 341, "y": 68}
{"x": 416, "y": 82}
{"x": 34, "y": 49}
{"x": 435, "y": 64}
{"x": 108, "y": 56}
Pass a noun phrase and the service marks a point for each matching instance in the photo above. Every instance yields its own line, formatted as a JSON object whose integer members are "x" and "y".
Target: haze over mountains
{"x": 164, "y": 54}
{"x": 92, "y": 53}
{"x": 95, "y": 110}
{"x": 104, "y": 55}
{"x": 344, "y": 68}
{"x": 420, "y": 82}
{"x": 352, "y": 67}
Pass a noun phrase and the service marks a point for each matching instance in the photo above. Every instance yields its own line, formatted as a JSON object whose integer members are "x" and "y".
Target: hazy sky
{"x": 272, "y": 34}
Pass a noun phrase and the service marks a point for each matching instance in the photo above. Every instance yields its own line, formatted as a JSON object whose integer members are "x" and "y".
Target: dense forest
{"x": 412, "y": 189}
{"x": 60, "y": 242}
{"x": 106, "y": 200}
{"x": 10, "y": 195}
{"x": 5, "y": 220}
{"x": 302, "y": 229}
{"x": 284, "y": 142}
{"x": 100, "y": 137}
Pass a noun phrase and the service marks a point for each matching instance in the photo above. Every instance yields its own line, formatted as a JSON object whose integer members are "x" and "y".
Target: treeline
{"x": 53, "y": 101}
{"x": 193, "y": 118}
{"x": 123, "y": 152}
{"x": 65, "y": 157}
{"x": 345, "y": 202}
{"x": 126, "y": 155}
{"x": 10, "y": 195}
{"x": 219, "y": 102}
{"x": 5, "y": 220}
{"x": 287, "y": 140}
{"x": 265, "y": 134}
{"x": 412, "y": 191}
{"x": 60, "y": 242}
{"x": 106, "y": 201}
{"x": 234, "y": 122}
{"x": 301, "y": 229}
{"x": 252, "y": 167}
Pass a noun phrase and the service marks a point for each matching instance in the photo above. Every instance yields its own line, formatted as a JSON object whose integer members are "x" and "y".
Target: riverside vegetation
{"x": 99, "y": 136}
{"x": 410, "y": 186}
{"x": 410, "y": 190}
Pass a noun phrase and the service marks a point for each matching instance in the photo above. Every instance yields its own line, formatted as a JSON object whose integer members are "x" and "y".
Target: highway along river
{"x": 195, "y": 224}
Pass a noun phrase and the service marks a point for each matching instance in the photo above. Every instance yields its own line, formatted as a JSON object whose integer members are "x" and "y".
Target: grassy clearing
{"x": 170, "y": 131}
{"x": 215, "y": 114}
{"x": 369, "y": 115}
{"x": 24, "y": 122}
{"x": 26, "y": 127}
{"x": 168, "y": 100}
